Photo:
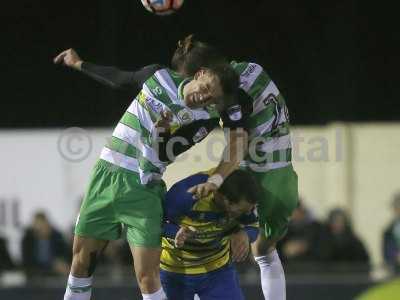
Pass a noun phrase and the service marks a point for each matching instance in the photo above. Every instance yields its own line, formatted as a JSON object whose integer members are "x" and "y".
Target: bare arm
{"x": 234, "y": 152}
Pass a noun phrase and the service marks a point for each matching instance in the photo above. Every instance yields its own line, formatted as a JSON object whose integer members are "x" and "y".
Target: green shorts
{"x": 116, "y": 203}
{"x": 278, "y": 201}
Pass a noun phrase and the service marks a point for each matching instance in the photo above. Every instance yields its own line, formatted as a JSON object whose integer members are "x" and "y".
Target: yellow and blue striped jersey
{"x": 209, "y": 249}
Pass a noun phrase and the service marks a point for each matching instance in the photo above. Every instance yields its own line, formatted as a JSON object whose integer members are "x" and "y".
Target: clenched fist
{"x": 69, "y": 58}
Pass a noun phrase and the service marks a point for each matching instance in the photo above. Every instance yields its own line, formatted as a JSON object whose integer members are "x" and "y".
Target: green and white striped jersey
{"x": 268, "y": 125}
{"x": 133, "y": 144}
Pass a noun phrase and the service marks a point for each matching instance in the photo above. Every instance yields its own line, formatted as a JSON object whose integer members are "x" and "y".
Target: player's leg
{"x": 274, "y": 210}
{"x": 140, "y": 210}
{"x": 272, "y": 275}
{"x": 147, "y": 270}
{"x": 85, "y": 254}
{"x": 96, "y": 225}
{"x": 221, "y": 284}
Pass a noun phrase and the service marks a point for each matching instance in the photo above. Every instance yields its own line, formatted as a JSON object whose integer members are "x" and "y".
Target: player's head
{"x": 339, "y": 221}
{"x": 211, "y": 85}
{"x": 193, "y": 58}
{"x": 191, "y": 55}
{"x": 41, "y": 225}
{"x": 238, "y": 194}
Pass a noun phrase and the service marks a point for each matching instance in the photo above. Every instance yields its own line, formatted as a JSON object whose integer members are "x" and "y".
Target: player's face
{"x": 203, "y": 90}
{"x": 234, "y": 210}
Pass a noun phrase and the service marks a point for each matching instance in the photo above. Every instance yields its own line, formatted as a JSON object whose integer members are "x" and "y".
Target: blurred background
{"x": 333, "y": 61}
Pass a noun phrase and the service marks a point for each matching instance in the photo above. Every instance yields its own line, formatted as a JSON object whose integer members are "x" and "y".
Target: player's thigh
{"x": 146, "y": 260}
{"x": 144, "y": 232}
{"x": 222, "y": 284}
{"x": 87, "y": 245}
{"x": 279, "y": 199}
{"x": 176, "y": 286}
{"x": 97, "y": 218}
{"x": 85, "y": 253}
{"x": 263, "y": 245}
{"x": 139, "y": 208}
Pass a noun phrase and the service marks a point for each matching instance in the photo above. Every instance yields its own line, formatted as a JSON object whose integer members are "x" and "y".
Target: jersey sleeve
{"x": 192, "y": 134}
{"x": 119, "y": 79}
{"x": 178, "y": 203}
{"x": 236, "y": 115}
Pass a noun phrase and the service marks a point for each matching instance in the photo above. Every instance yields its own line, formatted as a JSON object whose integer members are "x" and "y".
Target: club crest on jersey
{"x": 201, "y": 134}
{"x": 235, "y": 113}
{"x": 185, "y": 116}
{"x": 157, "y": 90}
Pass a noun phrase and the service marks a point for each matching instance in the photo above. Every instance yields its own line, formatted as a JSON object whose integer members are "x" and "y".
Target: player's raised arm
{"x": 233, "y": 118}
{"x": 107, "y": 75}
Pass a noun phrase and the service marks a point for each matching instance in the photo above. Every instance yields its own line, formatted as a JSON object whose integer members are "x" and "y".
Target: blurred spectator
{"x": 299, "y": 245}
{"x": 5, "y": 259}
{"x": 339, "y": 248}
{"x": 391, "y": 238}
{"x": 44, "y": 250}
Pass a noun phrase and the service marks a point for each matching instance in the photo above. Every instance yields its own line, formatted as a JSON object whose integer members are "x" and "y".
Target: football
{"x": 162, "y": 7}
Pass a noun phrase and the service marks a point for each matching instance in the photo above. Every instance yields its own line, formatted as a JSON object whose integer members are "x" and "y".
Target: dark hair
{"x": 192, "y": 55}
{"x": 339, "y": 212}
{"x": 41, "y": 215}
{"x": 241, "y": 185}
{"x": 229, "y": 80}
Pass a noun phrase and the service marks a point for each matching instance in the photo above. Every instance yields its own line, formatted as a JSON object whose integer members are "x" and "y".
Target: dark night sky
{"x": 333, "y": 60}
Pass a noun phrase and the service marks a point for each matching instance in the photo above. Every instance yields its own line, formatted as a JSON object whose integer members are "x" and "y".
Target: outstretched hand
{"x": 69, "y": 58}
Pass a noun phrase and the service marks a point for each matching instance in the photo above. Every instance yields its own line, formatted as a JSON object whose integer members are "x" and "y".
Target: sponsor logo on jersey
{"x": 201, "y": 134}
{"x": 235, "y": 113}
{"x": 154, "y": 105}
{"x": 250, "y": 70}
{"x": 185, "y": 116}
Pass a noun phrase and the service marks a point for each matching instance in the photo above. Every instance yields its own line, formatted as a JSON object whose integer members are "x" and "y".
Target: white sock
{"x": 159, "y": 295}
{"x": 272, "y": 276}
{"x": 78, "y": 288}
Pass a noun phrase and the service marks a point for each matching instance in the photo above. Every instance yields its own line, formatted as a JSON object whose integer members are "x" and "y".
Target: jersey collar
{"x": 180, "y": 89}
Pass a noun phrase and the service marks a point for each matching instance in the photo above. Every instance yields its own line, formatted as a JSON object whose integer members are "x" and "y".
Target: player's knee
{"x": 148, "y": 278}
{"x": 263, "y": 246}
{"x": 79, "y": 266}
{"x": 83, "y": 263}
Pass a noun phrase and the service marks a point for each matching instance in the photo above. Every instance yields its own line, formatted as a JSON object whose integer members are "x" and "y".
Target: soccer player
{"x": 126, "y": 187}
{"x": 202, "y": 237}
{"x": 261, "y": 110}
{"x": 268, "y": 158}
{"x": 227, "y": 110}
